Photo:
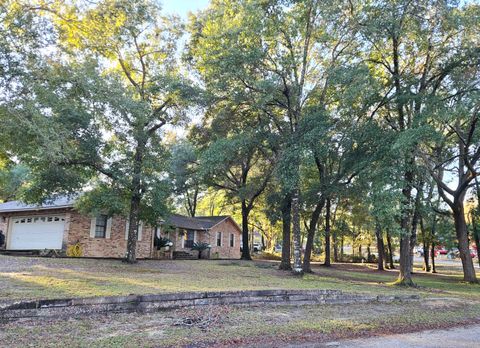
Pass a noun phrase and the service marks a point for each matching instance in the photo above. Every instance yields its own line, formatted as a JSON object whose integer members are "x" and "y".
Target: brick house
{"x": 221, "y": 232}
{"x": 57, "y": 225}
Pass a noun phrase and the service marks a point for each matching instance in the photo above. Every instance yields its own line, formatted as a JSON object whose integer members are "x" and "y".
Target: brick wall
{"x": 226, "y": 227}
{"x": 115, "y": 246}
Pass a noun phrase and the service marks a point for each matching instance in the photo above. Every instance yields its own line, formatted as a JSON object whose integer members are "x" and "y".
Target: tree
{"x": 185, "y": 174}
{"x": 452, "y": 115}
{"x": 342, "y": 144}
{"x": 12, "y": 179}
{"x": 413, "y": 49}
{"x": 115, "y": 106}
{"x": 466, "y": 153}
{"x": 238, "y": 165}
{"x": 475, "y": 214}
{"x": 277, "y": 48}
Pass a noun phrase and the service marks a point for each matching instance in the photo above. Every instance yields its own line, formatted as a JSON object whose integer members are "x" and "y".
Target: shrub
{"x": 162, "y": 242}
{"x": 269, "y": 256}
{"x": 200, "y": 247}
{"x": 353, "y": 259}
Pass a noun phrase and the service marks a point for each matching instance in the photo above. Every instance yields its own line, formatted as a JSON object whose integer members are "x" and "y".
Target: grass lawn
{"x": 28, "y": 278}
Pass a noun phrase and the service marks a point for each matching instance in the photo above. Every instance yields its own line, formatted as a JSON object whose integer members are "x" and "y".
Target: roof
{"x": 195, "y": 223}
{"x": 55, "y": 203}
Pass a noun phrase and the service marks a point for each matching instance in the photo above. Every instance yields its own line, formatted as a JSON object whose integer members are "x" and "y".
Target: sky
{"x": 182, "y": 7}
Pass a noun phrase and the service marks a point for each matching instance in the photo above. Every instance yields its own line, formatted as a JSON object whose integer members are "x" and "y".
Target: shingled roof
{"x": 56, "y": 203}
{"x": 194, "y": 223}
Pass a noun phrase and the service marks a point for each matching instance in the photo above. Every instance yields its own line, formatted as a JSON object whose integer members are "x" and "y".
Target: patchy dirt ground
{"x": 458, "y": 337}
{"x": 217, "y": 326}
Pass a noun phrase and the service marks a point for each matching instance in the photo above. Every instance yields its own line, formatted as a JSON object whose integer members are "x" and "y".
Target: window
{"x": 232, "y": 240}
{"x": 139, "y": 230}
{"x": 219, "y": 238}
{"x": 101, "y": 226}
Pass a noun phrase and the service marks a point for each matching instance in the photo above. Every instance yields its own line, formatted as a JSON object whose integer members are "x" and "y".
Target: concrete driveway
{"x": 461, "y": 337}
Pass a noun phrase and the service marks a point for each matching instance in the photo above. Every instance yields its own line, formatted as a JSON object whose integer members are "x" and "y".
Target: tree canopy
{"x": 317, "y": 123}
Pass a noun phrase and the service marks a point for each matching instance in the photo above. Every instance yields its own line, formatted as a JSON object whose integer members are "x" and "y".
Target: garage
{"x": 37, "y": 232}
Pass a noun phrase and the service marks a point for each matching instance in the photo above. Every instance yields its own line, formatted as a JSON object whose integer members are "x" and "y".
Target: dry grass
{"x": 232, "y": 326}
{"x": 26, "y": 277}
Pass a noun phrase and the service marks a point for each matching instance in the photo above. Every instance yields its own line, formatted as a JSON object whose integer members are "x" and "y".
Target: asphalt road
{"x": 461, "y": 337}
{"x": 444, "y": 261}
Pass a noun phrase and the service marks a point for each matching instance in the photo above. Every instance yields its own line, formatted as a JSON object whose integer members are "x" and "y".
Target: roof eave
{"x": 19, "y": 210}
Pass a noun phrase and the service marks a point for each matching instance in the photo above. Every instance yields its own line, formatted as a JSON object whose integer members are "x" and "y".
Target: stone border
{"x": 150, "y": 303}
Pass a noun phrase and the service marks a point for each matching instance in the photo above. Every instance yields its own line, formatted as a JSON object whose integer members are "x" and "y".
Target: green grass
{"x": 31, "y": 278}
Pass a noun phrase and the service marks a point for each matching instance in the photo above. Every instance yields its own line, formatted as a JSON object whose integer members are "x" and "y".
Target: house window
{"x": 139, "y": 230}
{"x": 219, "y": 239}
{"x": 232, "y": 240}
{"x": 101, "y": 226}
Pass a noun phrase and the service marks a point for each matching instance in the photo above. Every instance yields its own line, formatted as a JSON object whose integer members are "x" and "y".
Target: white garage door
{"x": 37, "y": 233}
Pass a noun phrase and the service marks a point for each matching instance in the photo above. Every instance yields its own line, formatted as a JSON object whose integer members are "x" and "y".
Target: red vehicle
{"x": 440, "y": 250}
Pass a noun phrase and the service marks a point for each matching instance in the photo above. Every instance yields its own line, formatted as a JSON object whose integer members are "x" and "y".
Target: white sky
{"x": 182, "y": 7}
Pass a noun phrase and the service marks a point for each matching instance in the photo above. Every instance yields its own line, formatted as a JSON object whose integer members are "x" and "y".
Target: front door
{"x": 189, "y": 239}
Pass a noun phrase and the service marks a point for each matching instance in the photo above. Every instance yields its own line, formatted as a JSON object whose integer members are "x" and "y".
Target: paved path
{"x": 462, "y": 337}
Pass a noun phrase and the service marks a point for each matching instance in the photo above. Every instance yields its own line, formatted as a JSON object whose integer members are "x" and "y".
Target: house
{"x": 221, "y": 232}
{"x": 57, "y": 225}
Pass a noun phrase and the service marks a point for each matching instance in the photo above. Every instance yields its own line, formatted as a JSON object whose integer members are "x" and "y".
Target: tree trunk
{"x": 131, "y": 256}
{"x": 469, "y": 274}
{"x": 405, "y": 274}
{"x": 415, "y": 220}
{"x": 341, "y": 247}
{"x": 136, "y": 187}
{"x": 285, "y": 264}
{"x": 380, "y": 246}
{"x": 390, "y": 251}
{"x": 432, "y": 255}
{"x": 432, "y": 240}
{"x": 297, "y": 248}
{"x": 311, "y": 235}
{"x": 476, "y": 231}
{"x": 245, "y": 235}
{"x": 476, "y": 235}
{"x": 426, "y": 264}
{"x": 327, "y": 233}
{"x": 335, "y": 246}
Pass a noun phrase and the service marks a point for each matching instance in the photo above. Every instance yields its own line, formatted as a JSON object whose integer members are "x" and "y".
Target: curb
{"x": 156, "y": 302}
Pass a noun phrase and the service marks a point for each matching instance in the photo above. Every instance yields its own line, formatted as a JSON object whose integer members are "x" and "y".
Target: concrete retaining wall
{"x": 150, "y": 303}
